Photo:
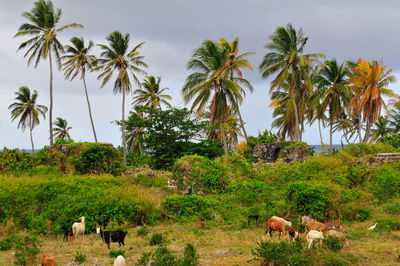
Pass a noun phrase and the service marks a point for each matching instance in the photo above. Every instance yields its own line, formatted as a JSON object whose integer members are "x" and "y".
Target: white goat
{"x": 312, "y": 235}
{"x": 79, "y": 227}
{"x": 120, "y": 261}
{"x": 289, "y": 224}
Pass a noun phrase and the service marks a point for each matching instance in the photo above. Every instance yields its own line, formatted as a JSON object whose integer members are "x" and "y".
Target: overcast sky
{"x": 172, "y": 30}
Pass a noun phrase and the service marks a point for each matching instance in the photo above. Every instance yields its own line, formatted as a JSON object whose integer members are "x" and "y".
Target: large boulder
{"x": 288, "y": 151}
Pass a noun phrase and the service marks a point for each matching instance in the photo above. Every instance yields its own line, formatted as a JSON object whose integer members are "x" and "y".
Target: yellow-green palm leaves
{"x": 151, "y": 95}
{"x": 42, "y": 25}
{"x": 369, "y": 82}
{"x": 78, "y": 60}
{"x": 61, "y": 129}
{"x": 117, "y": 58}
{"x": 27, "y": 110}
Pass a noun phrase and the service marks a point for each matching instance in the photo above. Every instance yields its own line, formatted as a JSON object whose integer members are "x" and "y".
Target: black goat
{"x": 112, "y": 236}
{"x": 68, "y": 235}
{"x": 252, "y": 217}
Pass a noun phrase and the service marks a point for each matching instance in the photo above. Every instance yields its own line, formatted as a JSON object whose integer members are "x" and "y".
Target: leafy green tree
{"x": 78, "y": 60}
{"x": 42, "y": 25}
{"x": 61, "y": 129}
{"x": 212, "y": 83}
{"x": 334, "y": 94}
{"x": 27, "y": 110}
{"x": 117, "y": 58}
{"x": 287, "y": 59}
{"x": 151, "y": 95}
{"x": 170, "y": 134}
{"x": 381, "y": 129}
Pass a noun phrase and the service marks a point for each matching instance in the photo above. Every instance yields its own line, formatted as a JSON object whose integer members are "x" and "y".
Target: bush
{"x": 98, "y": 159}
{"x": 361, "y": 149}
{"x": 26, "y": 250}
{"x": 164, "y": 257}
{"x": 142, "y": 231}
{"x": 12, "y": 160}
{"x": 187, "y": 206}
{"x": 144, "y": 260}
{"x": 156, "y": 239}
{"x": 8, "y": 242}
{"x": 386, "y": 183}
{"x": 116, "y": 253}
{"x": 80, "y": 257}
{"x": 308, "y": 198}
{"x": 190, "y": 256}
{"x": 391, "y": 140}
{"x": 333, "y": 243}
{"x": 387, "y": 225}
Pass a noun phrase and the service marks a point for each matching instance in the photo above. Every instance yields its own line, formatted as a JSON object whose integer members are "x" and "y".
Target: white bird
{"x": 373, "y": 227}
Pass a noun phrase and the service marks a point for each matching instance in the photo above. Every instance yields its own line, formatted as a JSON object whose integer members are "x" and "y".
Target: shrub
{"x": 333, "y": 243}
{"x": 308, "y": 198}
{"x": 391, "y": 140}
{"x": 13, "y": 160}
{"x": 116, "y": 253}
{"x": 387, "y": 225}
{"x": 186, "y": 206}
{"x": 156, "y": 239}
{"x": 361, "y": 149}
{"x": 142, "y": 231}
{"x": 8, "y": 242}
{"x": 80, "y": 257}
{"x": 164, "y": 257}
{"x": 190, "y": 256}
{"x": 98, "y": 159}
{"x": 26, "y": 250}
{"x": 386, "y": 183}
{"x": 144, "y": 260}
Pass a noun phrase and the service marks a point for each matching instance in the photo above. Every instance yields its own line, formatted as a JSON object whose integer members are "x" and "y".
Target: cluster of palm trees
{"x": 346, "y": 96}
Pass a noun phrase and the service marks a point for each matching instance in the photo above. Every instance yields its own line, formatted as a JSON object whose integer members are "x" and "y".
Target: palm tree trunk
{"x": 90, "y": 110}
{"x": 30, "y": 133}
{"x": 223, "y": 138}
{"x": 330, "y": 139}
{"x": 296, "y": 113}
{"x": 51, "y": 100}
{"x": 241, "y": 122}
{"x": 123, "y": 126}
{"x": 367, "y": 132}
{"x": 320, "y": 133}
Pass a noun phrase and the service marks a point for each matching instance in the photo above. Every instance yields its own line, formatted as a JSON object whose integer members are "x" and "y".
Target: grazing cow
{"x": 275, "y": 225}
{"x": 293, "y": 233}
{"x": 252, "y": 217}
{"x": 313, "y": 235}
{"x": 47, "y": 260}
{"x": 112, "y": 236}
{"x": 317, "y": 226}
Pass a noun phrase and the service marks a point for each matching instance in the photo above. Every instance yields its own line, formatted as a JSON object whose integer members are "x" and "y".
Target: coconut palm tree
{"x": 236, "y": 62}
{"x": 61, "y": 129}
{"x": 334, "y": 94}
{"x": 287, "y": 59}
{"x": 212, "y": 83}
{"x": 381, "y": 129}
{"x": 369, "y": 82}
{"x": 395, "y": 120}
{"x": 151, "y": 95}
{"x": 42, "y": 25}
{"x": 117, "y": 58}
{"x": 78, "y": 60}
{"x": 27, "y": 110}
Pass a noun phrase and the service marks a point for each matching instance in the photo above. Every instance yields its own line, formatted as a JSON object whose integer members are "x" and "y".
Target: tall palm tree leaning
{"x": 334, "y": 92}
{"x": 287, "y": 59}
{"x": 118, "y": 58}
{"x": 77, "y": 61}
{"x": 151, "y": 95}
{"x": 370, "y": 81}
{"x": 42, "y": 24}
{"x": 237, "y": 62}
{"x": 212, "y": 83}
{"x": 61, "y": 129}
{"x": 28, "y": 110}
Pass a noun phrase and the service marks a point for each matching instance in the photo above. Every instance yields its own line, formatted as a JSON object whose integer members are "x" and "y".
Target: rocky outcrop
{"x": 289, "y": 152}
{"x": 387, "y": 157}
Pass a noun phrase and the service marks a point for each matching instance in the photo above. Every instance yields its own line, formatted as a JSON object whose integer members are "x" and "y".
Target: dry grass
{"x": 215, "y": 245}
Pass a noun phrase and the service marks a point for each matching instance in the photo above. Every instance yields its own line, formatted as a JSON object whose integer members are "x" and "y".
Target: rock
{"x": 288, "y": 151}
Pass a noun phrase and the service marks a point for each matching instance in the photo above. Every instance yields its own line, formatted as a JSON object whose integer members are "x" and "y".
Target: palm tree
{"x": 334, "y": 93}
{"x": 151, "y": 95}
{"x": 116, "y": 58}
{"x": 61, "y": 129}
{"x": 77, "y": 61}
{"x": 395, "y": 120}
{"x": 26, "y": 108}
{"x": 381, "y": 128}
{"x": 370, "y": 81}
{"x": 287, "y": 59}
{"x": 212, "y": 83}
{"x": 236, "y": 62}
{"x": 42, "y": 24}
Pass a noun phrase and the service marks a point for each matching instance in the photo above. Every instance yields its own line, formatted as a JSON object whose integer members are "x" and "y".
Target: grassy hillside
{"x": 348, "y": 187}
